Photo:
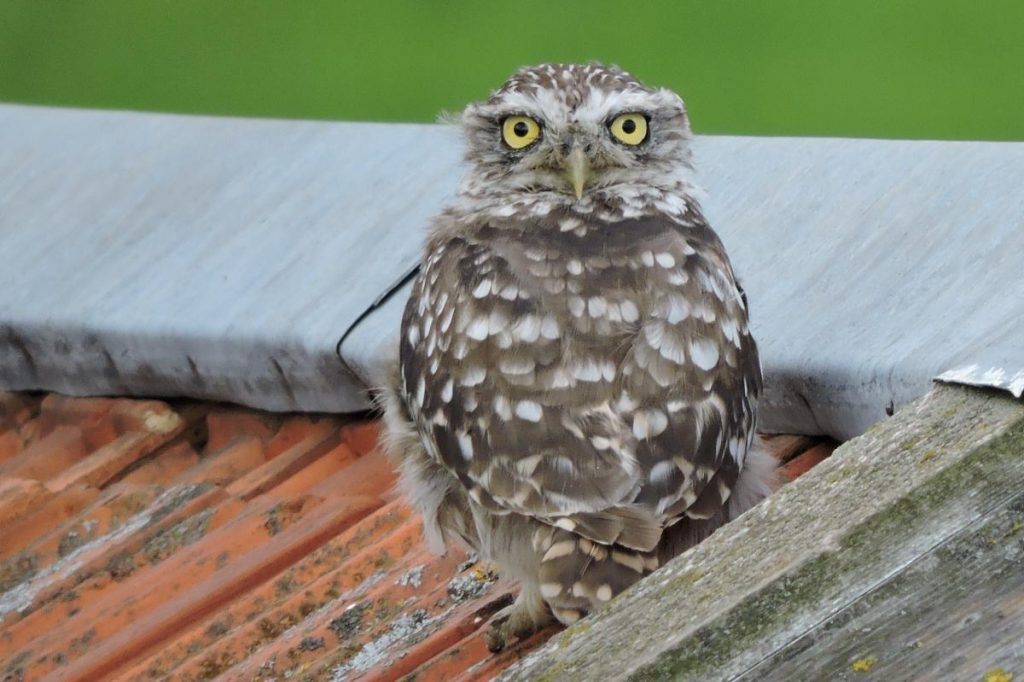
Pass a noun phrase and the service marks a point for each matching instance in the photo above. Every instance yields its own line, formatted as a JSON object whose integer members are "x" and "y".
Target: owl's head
{"x": 579, "y": 134}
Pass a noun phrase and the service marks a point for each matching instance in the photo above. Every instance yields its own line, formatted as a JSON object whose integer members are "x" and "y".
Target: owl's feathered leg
{"x": 430, "y": 488}
{"x": 507, "y": 540}
{"x": 449, "y": 515}
{"x": 527, "y": 614}
{"x": 758, "y": 479}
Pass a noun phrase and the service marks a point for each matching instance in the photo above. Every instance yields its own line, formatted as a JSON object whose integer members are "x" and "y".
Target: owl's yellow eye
{"x": 629, "y": 129}
{"x": 519, "y": 131}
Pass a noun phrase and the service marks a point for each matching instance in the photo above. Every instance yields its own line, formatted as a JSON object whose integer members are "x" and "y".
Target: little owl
{"x": 576, "y": 388}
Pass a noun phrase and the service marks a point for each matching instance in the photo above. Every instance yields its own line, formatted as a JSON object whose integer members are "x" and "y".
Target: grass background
{"x": 948, "y": 69}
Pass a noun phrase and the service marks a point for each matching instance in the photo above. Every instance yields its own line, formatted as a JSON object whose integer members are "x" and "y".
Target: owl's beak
{"x": 577, "y": 168}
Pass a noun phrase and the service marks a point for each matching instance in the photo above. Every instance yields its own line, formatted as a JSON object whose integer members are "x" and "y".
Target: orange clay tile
{"x": 785, "y": 447}
{"x": 146, "y": 540}
{"x": 805, "y": 461}
{"x": 10, "y": 445}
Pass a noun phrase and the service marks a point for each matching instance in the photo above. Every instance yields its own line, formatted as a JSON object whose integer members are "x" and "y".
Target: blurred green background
{"x": 948, "y": 69}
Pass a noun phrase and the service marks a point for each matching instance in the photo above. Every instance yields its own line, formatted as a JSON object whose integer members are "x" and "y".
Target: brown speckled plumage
{"x": 577, "y": 384}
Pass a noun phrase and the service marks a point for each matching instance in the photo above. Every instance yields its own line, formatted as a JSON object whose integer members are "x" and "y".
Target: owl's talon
{"x": 516, "y": 622}
{"x": 504, "y": 633}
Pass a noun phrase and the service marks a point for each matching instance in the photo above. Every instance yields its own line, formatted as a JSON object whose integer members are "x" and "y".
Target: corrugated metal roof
{"x": 225, "y": 258}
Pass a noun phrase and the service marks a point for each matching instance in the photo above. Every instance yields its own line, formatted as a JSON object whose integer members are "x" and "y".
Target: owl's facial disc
{"x": 576, "y": 134}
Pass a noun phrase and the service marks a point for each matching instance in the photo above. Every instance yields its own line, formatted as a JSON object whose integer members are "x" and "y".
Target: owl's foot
{"x": 525, "y": 616}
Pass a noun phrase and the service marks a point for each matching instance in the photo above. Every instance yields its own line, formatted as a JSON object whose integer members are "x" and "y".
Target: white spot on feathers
{"x": 482, "y": 289}
{"x": 529, "y": 410}
{"x": 704, "y": 353}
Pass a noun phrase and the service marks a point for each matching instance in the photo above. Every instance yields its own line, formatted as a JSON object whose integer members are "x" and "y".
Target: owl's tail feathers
{"x": 758, "y": 479}
{"x": 630, "y": 527}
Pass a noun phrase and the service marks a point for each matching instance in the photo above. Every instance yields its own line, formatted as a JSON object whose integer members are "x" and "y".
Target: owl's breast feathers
{"x": 599, "y": 377}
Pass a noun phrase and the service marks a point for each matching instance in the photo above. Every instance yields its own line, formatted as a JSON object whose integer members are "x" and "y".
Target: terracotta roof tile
{"x": 144, "y": 540}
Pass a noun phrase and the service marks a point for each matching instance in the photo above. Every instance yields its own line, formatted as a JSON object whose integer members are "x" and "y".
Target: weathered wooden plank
{"x": 908, "y": 492}
{"x": 955, "y": 613}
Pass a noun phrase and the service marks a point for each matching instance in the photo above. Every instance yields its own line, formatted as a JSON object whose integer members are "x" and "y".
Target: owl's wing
{"x": 533, "y": 425}
{"x": 483, "y": 376}
{"x": 693, "y": 376}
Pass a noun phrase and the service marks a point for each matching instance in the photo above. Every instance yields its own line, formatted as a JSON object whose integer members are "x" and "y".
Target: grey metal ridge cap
{"x": 250, "y": 244}
{"x": 872, "y": 266}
